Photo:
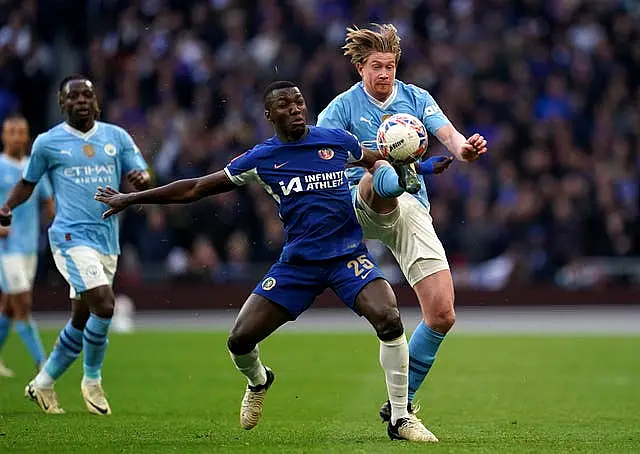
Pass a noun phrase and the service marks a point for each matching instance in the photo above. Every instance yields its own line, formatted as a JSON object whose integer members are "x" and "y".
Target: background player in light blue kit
{"x": 19, "y": 243}
{"x": 403, "y": 224}
{"x": 78, "y": 156}
{"x": 302, "y": 168}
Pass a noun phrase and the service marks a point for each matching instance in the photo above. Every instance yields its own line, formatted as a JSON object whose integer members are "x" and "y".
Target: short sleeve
{"x": 130, "y": 155}
{"x": 243, "y": 168}
{"x": 38, "y": 163}
{"x": 333, "y": 116}
{"x": 45, "y": 191}
{"x": 432, "y": 116}
{"x": 353, "y": 147}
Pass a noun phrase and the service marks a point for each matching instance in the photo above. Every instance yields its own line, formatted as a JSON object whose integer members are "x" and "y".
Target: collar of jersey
{"x": 382, "y": 105}
{"x": 82, "y": 135}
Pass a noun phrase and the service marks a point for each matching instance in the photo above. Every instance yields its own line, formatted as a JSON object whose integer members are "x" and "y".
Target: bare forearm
{"x": 452, "y": 140}
{"x": 19, "y": 194}
{"x": 184, "y": 191}
{"x": 181, "y": 191}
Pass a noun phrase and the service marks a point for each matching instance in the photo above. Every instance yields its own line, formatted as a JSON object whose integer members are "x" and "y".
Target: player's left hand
{"x": 138, "y": 178}
{"x": 4, "y": 231}
{"x": 473, "y": 147}
{"x": 116, "y": 200}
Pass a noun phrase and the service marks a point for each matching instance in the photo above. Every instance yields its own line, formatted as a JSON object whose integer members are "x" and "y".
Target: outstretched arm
{"x": 18, "y": 195}
{"x": 181, "y": 191}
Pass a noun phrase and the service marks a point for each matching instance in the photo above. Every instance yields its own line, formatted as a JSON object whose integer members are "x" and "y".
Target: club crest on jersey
{"x": 110, "y": 149}
{"x": 326, "y": 153}
{"x": 268, "y": 283}
{"x": 88, "y": 150}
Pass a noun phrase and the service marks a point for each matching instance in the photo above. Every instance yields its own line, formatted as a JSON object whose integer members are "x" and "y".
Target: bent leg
{"x": 26, "y": 327}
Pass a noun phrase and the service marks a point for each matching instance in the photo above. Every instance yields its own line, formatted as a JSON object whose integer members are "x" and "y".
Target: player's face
{"x": 15, "y": 135}
{"x": 287, "y": 110}
{"x": 78, "y": 100}
{"x": 378, "y": 73}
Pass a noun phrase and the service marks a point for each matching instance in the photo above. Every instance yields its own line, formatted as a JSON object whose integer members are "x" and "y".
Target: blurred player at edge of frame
{"x": 19, "y": 244}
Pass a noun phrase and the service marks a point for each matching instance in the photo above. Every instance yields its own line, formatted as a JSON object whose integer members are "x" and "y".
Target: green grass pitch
{"x": 179, "y": 392}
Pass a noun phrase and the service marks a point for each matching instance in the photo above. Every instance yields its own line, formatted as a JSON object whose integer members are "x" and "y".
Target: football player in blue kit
{"x": 302, "y": 168}
{"x": 401, "y": 221}
{"x": 77, "y": 155}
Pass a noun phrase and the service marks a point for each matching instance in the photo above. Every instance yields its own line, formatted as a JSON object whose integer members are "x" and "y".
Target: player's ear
{"x": 267, "y": 114}
{"x": 359, "y": 68}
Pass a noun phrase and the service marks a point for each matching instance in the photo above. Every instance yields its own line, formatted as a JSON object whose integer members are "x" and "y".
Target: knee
{"x": 102, "y": 304}
{"x": 240, "y": 342}
{"x": 388, "y": 324}
{"x": 442, "y": 318}
{"x": 21, "y": 305}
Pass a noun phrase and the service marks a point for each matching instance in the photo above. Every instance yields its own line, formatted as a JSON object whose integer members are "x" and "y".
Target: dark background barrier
{"x": 199, "y": 296}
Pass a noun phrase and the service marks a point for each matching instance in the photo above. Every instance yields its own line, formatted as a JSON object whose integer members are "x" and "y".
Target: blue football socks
{"x": 30, "y": 335}
{"x": 423, "y": 346}
{"x": 95, "y": 346}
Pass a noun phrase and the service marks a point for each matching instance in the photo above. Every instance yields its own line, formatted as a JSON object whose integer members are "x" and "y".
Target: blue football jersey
{"x": 359, "y": 113}
{"x": 307, "y": 180}
{"x": 77, "y": 163}
{"x": 25, "y": 224}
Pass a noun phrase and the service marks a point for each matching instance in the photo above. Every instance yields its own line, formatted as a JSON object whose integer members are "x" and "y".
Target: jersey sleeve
{"x": 243, "y": 169}
{"x": 353, "y": 147}
{"x": 333, "y": 116}
{"x": 432, "y": 116}
{"x": 130, "y": 156}
{"x": 45, "y": 191}
{"x": 38, "y": 162}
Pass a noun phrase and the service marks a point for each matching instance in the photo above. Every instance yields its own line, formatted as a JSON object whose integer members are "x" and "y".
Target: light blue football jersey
{"x": 25, "y": 224}
{"x": 359, "y": 113}
{"x": 77, "y": 163}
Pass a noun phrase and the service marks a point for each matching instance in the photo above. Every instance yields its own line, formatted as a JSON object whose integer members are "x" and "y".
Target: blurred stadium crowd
{"x": 552, "y": 85}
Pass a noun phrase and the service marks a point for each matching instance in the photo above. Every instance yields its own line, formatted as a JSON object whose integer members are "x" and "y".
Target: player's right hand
{"x": 4, "y": 231}
{"x": 116, "y": 200}
{"x": 5, "y": 216}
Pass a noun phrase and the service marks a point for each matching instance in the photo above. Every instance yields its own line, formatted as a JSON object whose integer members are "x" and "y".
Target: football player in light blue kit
{"x": 78, "y": 156}
{"x": 19, "y": 243}
{"x": 403, "y": 224}
{"x": 302, "y": 168}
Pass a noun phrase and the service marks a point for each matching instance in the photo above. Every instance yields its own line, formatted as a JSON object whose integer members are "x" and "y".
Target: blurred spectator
{"x": 552, "y": 85}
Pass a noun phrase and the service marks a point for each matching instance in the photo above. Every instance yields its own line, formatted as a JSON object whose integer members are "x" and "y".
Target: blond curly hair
{"x": 362, "y": 42}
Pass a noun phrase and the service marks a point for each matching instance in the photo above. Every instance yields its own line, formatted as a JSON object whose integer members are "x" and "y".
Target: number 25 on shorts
{"x": 360, "y": 265}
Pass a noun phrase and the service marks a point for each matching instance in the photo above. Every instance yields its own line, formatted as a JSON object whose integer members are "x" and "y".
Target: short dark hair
{"x": 277, "y": 85}
{"x": 69, "y": 79}
{"x": 15, "y": 116}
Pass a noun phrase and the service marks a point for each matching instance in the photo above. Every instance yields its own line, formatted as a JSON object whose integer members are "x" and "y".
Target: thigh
{"x": 257, "y": 319}
{"x": 350, "y": 275}
{"x": 435, "y": 294}
{"x": 293, "y": 287}
{"x": 414, "y": 242}
{"x": 14, "y": 274}
{"x": 82, "y": 268}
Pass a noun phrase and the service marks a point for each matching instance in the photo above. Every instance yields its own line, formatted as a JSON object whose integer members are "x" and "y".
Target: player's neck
{"x": 291, "y": 138}
{"x": 82, "y": 126}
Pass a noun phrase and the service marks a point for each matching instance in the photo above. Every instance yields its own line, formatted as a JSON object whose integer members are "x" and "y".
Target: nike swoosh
{"x": 101, "y": 410}
{"x": 364, "y": 276}
{"x": 33, "y": 396}
{"x": 277, "y": 166}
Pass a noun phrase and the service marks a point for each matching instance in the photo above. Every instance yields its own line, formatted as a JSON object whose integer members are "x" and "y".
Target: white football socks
{"x": 251, "y": 367}
{"x": 394, "y": 359}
